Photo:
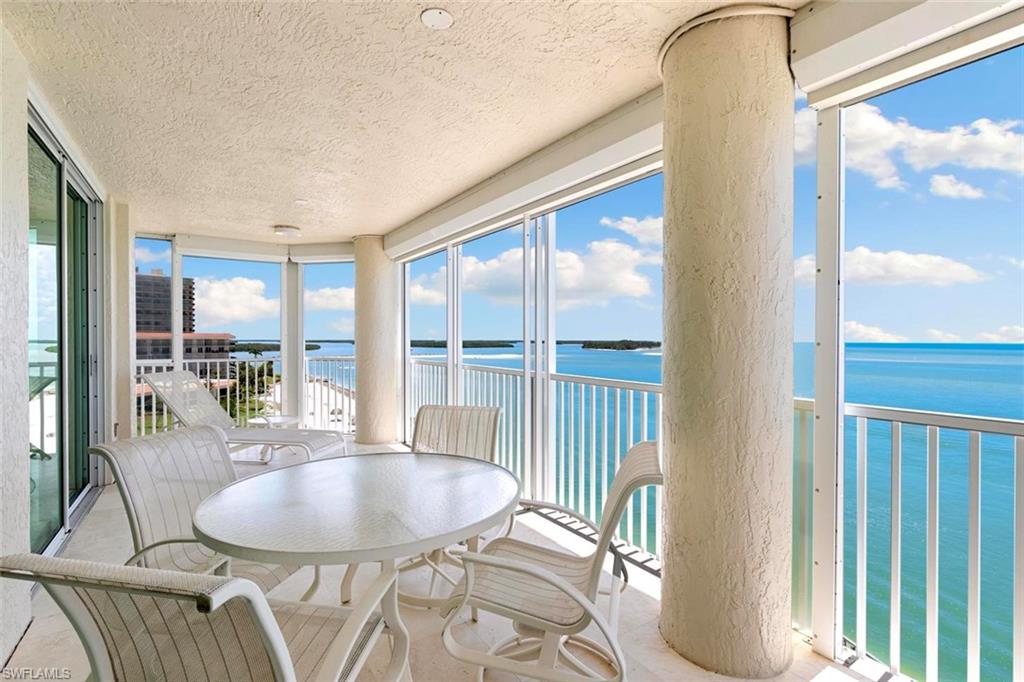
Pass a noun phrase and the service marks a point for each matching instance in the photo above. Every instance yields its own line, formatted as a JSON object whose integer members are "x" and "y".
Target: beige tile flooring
{"x": 103, "y": 536}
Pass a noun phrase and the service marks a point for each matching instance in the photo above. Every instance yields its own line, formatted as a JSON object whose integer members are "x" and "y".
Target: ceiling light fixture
{"x": 436, "y": 18}
{"x": 289, "y": 231}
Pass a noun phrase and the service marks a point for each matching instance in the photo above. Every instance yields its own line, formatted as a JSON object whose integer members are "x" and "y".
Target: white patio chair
{"x": 162, "y": 478}
{"x": 141, "y": 625}
{"x": 550, "y": 595}
{"x": 467, "y": 431}
{"x": 193, "y": 405}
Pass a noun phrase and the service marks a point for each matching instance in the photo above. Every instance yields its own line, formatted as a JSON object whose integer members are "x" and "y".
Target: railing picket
{"x": 1018, "y": 559}
{"x": 974, "y": 558}
{"x": 592, "y": 454}
{"x": 932, "y": 561}
{"x": 862, "y": 535}
{"x": 895, "y": 545}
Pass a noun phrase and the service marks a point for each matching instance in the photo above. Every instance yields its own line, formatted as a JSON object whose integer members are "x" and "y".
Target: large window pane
{"x": 328, "y": 312}
{"x": 608, "y": 284}
{"x": 44, "y": 334}
{"x": 153, "y": 300}
{"x": 607, "y": 302}
{"x": 935, "y": 321}
{"x": 491, "y": 285}
{"x": 236, "y": 339}
{"x": 426, "y": 291}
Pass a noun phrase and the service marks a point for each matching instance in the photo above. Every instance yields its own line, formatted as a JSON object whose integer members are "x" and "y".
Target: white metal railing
{"x": 330, "y": 386}
{"x": 427, "y": 385}
{"x": 917, "y": 435}
{"x": 246, "y": 387}
{"x": 596, "y": 422}
{"x": 499, "y": 387}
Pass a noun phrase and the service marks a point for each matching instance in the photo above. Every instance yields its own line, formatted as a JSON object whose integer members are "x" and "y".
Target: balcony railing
{"x": 245, "y": 387}
{"x": 594, "y": 422}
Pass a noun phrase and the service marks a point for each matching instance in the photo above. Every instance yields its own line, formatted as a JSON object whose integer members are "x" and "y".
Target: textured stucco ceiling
{"x": 344, "y": 119}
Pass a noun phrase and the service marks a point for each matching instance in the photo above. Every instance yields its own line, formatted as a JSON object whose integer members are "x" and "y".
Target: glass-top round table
{"x": 363, "y": 508}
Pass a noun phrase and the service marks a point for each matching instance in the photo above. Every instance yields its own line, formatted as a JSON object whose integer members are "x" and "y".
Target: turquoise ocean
{"x": 973, "y": 379}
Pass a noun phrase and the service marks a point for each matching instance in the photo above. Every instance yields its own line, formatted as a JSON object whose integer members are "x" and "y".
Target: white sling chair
{"x": 550, "y": 595}
{"x": 162, "y": 478}
{"x": 467, "y": 431}
{"x": 143, "y": 625}
{"x": 193, "y": 405}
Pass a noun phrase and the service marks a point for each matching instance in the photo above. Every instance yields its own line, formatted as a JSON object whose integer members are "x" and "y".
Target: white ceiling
{"x": 344, "y": 119}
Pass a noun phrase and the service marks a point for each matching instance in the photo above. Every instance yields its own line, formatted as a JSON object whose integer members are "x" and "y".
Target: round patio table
{"x": 363, "y": 508}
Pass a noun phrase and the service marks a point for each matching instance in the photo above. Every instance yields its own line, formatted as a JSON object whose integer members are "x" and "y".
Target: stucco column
{"x": 378, "y": 347}
{"x": 728, "y": 378}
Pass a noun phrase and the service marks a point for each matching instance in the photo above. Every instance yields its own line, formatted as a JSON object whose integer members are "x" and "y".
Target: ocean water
{"x": 973, "y": 379}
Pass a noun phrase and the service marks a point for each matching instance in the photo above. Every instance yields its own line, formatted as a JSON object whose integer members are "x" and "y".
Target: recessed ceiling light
{"x": 287, "y": 231}
{"x": 436, "y": 18}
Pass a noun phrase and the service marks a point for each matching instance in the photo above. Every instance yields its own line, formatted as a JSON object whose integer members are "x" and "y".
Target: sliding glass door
{"x": 63, "y": 333}
{"x": 45, "y": 392}
{"x": 77, "y": 320}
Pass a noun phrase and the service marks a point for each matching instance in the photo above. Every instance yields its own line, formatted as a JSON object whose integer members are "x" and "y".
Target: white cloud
{"x": 339, "y": 298}
{"x": 874, "y": 142}
{"x": 941, "y": 336}
{"x": 647, "y": 230}
{"x": 345, "y": 325}
{"x": 428, "y": 289}
{"x": 805, "y": 269}
{"x": 949, "y": 186}
{"x": 238, "y": 299}
{"x": 608, "y": 268}
{"x": 1008, "y": 333}
{"x": 1015, "y": 262}
{"x": 805, "y": 136}
{"x": 146, "y": 255}
{"x": 798, "y": 94}
{"x": 864, "y": 266}
{"x": 855, "y": 331}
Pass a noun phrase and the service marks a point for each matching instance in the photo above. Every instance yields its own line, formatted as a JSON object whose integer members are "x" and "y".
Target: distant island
{"x": 437, "y": 343}
{"x": 258, "y": 347}
{"x": 622, "y": 344}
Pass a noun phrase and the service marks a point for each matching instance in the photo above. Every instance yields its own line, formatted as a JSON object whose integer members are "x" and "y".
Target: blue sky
{"x": 934, "y": 233}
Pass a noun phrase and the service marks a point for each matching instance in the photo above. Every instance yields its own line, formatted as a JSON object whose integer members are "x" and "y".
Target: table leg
{"x": 398, "y": 667}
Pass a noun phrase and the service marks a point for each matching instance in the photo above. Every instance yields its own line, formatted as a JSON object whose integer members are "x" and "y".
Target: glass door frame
{"x": 73, "y": 179}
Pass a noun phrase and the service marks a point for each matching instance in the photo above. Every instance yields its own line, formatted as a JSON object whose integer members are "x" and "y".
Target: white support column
{"x": 120, "y": 238}
{"x": 16, "y": 609}
{"x": 378, "y": 335}
{"x": 293, "y": 342}
{"x": 728, "y": 357}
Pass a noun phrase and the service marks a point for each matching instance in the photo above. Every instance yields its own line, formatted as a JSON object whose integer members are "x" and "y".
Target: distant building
{"x": 153, "y": 321}
{"x": 197, "y": 345}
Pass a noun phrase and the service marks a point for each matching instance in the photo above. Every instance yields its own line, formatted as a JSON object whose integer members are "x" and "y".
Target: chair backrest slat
{"x": 641, "y": 467}
{"x": 163, "y": 477}
{"x": 469, "y": 431}
{"x": 146, "y": 624}
{"x": 189, "y": 399}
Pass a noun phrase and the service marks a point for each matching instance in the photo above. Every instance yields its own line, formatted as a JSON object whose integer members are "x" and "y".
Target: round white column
{"x": 378, "y": 342}
{"x": 728, "y": 316}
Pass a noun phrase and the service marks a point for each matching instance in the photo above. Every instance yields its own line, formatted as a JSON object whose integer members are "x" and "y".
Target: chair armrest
{"x": 472, "y": 559}
{"x": 138, "y": 556}
{"x": 619, "y": 566}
